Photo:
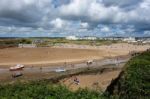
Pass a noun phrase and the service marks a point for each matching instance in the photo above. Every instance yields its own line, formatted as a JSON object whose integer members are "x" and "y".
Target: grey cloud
{"x": 24, "y": 12}
{"x": 44, "y": 14}
{"x": 97, "y": 13}
{"x": 122, "y": 3}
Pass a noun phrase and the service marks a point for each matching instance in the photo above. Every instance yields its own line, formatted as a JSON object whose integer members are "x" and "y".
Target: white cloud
{"x": 84, "y": 25}
{"x": 90, "y": 9}
{"x": 105, "y": 29}
{"x": 59, "y": 23}
{"x": 75, "y": 8}
{"x": 94, "y": 11}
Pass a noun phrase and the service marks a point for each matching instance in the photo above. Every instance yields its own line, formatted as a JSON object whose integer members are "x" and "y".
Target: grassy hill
{"x": 134, "y": 81}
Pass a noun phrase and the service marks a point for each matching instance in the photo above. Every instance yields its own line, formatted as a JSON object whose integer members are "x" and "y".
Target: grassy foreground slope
{"x": 44, "y": 90}
{"x": 134, "y": 81}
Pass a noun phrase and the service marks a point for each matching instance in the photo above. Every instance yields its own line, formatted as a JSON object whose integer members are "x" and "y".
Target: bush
{"x": 134, "y": 81}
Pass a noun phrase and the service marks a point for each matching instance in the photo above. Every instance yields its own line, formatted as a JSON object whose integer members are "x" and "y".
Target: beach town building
{"x": 130, "y": 40}
{"x": 72, "y": 38}
{"x": 90, "y": 38}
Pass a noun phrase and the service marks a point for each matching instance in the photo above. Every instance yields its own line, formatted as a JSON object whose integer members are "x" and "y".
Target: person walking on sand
{"x": 41, "y": 69}
{"x": 76, "y": 81}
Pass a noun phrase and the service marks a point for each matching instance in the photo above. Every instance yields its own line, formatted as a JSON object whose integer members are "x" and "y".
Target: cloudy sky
{"x": 29, "y": 18}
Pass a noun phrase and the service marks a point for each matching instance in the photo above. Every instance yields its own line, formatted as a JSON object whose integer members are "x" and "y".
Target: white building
{"x": 72, "y": 38}
{"x": 146, "y": 42}
{"x": 130, "y": 40}
{"x": 27, "y": 45}
{"x": 90, "y": 38}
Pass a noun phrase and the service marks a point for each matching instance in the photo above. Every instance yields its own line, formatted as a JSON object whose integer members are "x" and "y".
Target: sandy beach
{"x": 60, "y": 55}
{"x": 91, "y": 81}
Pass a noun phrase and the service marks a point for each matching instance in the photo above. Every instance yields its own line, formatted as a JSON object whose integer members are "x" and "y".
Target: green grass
{"x": 45, "y": 90}
{"x": 134, "y": 82}
{"x": 54, "y": 41}
{"x": 15, "y": 41}
{"x": 82, "y": 42}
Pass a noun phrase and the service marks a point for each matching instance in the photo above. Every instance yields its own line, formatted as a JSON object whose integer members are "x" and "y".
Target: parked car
{"x": 17, "y": 67}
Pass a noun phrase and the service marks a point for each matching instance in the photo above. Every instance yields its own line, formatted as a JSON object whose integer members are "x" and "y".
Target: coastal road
{"x": 96, "y": 63}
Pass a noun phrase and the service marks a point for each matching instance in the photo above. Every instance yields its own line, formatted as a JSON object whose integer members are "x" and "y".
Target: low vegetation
{"x": 82, "y": 42}
{"x": 13, "y": 42}
{"x": 134, "y": 81}
{"x": 45, "y": 90}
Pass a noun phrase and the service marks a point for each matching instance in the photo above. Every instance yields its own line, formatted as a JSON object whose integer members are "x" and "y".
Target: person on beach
{"x": 76, "y": 81}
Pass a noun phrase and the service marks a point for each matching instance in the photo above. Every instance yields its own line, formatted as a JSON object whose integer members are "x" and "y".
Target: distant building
{"x": 130, "y": 40}
{"x": 108, "y": 38}
{"x": 27, "y": 45}
{"x": 81, "y": 38}
{"x": 111, "y": 38}
{"x": 143, "y": 40}
{"x": 146, "y": 41}
{"x": 90, "y": 38}
{"x": 72, "y": 38}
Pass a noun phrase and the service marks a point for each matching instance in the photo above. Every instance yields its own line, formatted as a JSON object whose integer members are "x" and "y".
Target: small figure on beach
{"x": 76, "y": 80}
{"x": 41, "y": 69}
